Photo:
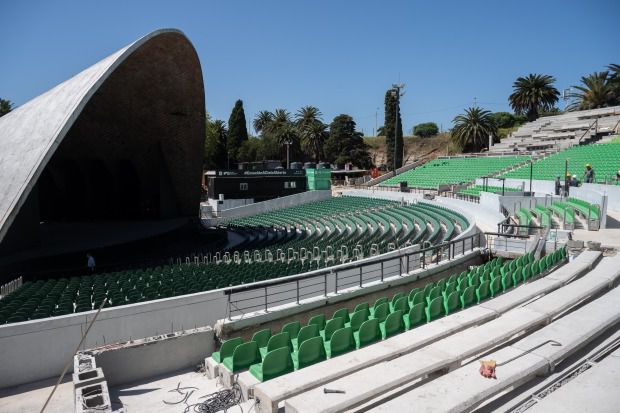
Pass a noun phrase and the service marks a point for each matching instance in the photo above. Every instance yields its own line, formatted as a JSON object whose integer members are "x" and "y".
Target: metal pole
{"x": 565, "y": 173}
{"x": 62, "y": 375}
{"x": 531, "y": 173}
{"x": 396, "y": 126}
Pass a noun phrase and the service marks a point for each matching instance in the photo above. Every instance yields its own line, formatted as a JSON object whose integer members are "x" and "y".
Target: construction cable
{"x": 219, "y": 401}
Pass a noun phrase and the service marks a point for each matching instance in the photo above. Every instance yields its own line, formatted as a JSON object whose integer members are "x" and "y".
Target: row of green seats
{"x": 476, "y": 189}
{"x": 269, "y": 355}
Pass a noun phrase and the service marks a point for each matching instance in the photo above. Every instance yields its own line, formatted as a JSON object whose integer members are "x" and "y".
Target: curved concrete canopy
{"x": 31, "y": 134}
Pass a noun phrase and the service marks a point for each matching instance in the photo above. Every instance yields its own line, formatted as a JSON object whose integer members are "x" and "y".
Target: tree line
{"x": 303, "y": 134}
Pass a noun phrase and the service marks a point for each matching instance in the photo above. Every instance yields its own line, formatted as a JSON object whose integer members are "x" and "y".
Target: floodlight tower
{"x": 396, "y": 93}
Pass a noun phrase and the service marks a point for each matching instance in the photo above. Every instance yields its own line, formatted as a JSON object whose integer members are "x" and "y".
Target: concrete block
{"x": 93, "y": 399}
{"x": 247, "y": 382}
{"x": 211, "y": 368}
{"x": 88, "y": 378}
{"x": 226, "y": 376}
{"x": 83, "y": 361}
{"x": 574, "y": 243}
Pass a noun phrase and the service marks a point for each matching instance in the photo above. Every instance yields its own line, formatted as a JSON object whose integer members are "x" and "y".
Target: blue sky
{"x": 340, "y": 56}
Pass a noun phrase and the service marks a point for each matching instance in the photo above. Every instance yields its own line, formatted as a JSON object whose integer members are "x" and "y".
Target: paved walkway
{"x": 607, "y": 237}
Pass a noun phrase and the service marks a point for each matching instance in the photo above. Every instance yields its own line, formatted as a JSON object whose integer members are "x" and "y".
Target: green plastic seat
{"x": 412, "y": 293}
{"x": 331, "y": 326}
{"x": 395, "y": 298}
{"x": 358, "y": 318}
{"x": 416, "y": 316}
{"x": 542, "y": 265}
{"x": 451, "y": 302}
{"x": 525, "y": 273}
{"x": 401, "y": 304}
{"x": 393, "y": 324}
{"x": 319, "y": 320}
{"x": 361, "y": 306}
{"x": 418, "y": 298}
{"x": 342, "y": 313}
{"x": 434, "y": 293}
{"x": 427, "y": 289}
{"x": 462, "y": 284}
{"x": 482, "y": 292}
{"x": 277, "y": 362}
{"x": 382, "y": 300}
{"x": 227, "y": 349}
{"x": 243, "y": 357}
{"x": 450, "y": 288}
{"x": 262, "y": 338}
{"x": 342, "y": 341}
{"x": 434, "y": 309}
{"x": 306, "y": 333}
{"x": 507, "y": 281}
{"x": 292, "y": 328}
{"x": 280, "y": 340}
{"x": 368, "y": 333}
{"x": 381, "y": 312}
{"x": 467, "y": 297}
{"x": 310, "y": 352}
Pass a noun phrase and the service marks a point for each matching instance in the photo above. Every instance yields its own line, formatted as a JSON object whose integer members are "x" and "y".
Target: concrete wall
{"x": 38, "y": 349}
{"x": 545, "y": 187}
{"x": 272, "y": 204}
{"x": 593, "y": 196}
{"x": 611, "y": 191}
{"x": 155, "y": 355}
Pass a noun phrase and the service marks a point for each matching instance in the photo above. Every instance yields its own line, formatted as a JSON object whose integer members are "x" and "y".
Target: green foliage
{"x": 507, "y": 119}
{"x": 426, "y": 130}
{"x": 393, "y": 138}
{"x": 312, "y": 130}
{"x": 237, "y": 129}
{"x": 249, "y": 150}
{"x": 533, "y": 94}
{"x": 345, "y": 144}
{"x": 597, "y": 90}
{"x": 5, "y": 106}
{"x": 215, "y": 154}
{"x": 472, "y": 129}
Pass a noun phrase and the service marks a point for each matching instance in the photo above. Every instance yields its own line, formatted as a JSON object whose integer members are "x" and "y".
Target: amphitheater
{"x": 383, "y": 297}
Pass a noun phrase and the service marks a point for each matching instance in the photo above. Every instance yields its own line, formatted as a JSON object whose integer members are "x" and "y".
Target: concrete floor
{"x": 609, "y": 236}
{"x": 31, "y": 397}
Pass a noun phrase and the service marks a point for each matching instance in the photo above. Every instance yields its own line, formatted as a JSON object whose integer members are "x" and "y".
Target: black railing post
{"x": 336, "y": 276}
{"x": 265, "y": 299}
{"x": 381, "y": 270}
{"x": 360, "y": 276}
{"x": 229, "y": 307}
{"x": 297, "y": 282}
{"x": 325, "y": 284}
{"x": 408, "y": 264}
{"x": 423, "y": 259}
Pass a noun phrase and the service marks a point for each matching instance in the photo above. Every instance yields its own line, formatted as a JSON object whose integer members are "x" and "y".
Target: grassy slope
{"x": 415, "y": 148}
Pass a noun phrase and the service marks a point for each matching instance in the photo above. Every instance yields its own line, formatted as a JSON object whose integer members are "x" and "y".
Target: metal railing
{"x": 261, "y": 296}
{"x": 10, "y": 287}
{"x": 498, "y": 241}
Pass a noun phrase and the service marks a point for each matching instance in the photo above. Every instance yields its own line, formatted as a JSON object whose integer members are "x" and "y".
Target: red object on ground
{"x": 487, "y": 369}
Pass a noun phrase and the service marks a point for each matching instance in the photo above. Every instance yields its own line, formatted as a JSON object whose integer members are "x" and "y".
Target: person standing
{"x": 588, "y": 175}
{"x": 558, "y": 185}
{"x": 90, "y": 262}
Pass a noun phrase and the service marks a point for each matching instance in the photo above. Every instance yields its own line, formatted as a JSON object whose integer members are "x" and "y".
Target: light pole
{"x": 288, "y": 162}
{"x": 396, "y": 94}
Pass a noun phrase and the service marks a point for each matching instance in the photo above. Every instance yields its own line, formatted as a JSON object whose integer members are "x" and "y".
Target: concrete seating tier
{"x": 592, "y": 319}
{"x": 603, "y": 158}
{"x": 279, "y": 389}
{"x": 371, "y": 384}
{"x": 445, "y": 171}
{"x": 329, "y": 232}
{"x": 350, "y": 329}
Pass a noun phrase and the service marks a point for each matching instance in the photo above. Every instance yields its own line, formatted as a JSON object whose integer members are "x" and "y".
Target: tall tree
{"x": 472, "y": 129}
{"x": 345, "y": 144}
{"x": 215, "y": 153}
{"x": 312, "y": 131}
{"x": 5, "y": 106}
{"x": 425, "y": 130}
{"x": 597, "y": 90}
{"x": 393, "y": 137}
{"x": 262, "y": 121}
{"x": 532, "y": 94}
{"x": 237, "y": 129}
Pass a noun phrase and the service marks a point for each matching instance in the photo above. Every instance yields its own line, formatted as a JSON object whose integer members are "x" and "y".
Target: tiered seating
{"x": 603, "y": 158}
{"x": 564, "y": 212}
{"x": 476, "y": 189}
{"x": 585, "y": 209}
{"x": 319, "y": 235}
{"x": 454, "y": 170}
{"x": 351, "y": 329}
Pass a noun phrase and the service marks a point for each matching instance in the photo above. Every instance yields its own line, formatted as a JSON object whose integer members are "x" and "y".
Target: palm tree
{"x": 533, "y": 93}
{"x": 312, "y": 130}
{"x": 472, "y": 129}
{"x": 262, "y": 120}
{"x": 5, "y": 107}
{"x": 598, "y": 91}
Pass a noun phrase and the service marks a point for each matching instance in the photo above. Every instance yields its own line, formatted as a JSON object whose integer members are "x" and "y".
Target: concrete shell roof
{"x": 30, "y": 134}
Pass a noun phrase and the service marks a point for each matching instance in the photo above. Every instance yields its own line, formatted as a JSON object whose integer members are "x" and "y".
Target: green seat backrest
{"x": 227, "y": 349}
{"x": 450, "y": 288}
{"x": 278, "y": 362}
{"x": 369, "y": 332}
{"x": 292, "y": 328}
{"x": 380, "y": 301}
{"x": 434, "y": 309}
{"x": 361, "y": 306}
{"x": 451, "y": 302}
{"x": 381, "y": 312}
{"x": 463, "y": 283}
{"x": 434, "y": 293}
{"x": 525, "y": 272}
{"x": 342, "y": 313}
{"x": 496, "y": 286}
{"x": 507, "y": 281}
{"x": 467, "y": 297}
{"x": 534, "y": 269}
{"x": 280, "y": 340}
{"x": 548, "y": 262}
{"x": 319, "y": 320}
{"x": 418, "y": 298}
{"x": 358, "y": 318}
{"x": 412, "y": 294}
{"x": 311, "y": 351}
{"x": 442, "y": 283}
{"x": 244, "y": 356}
{"x": 542, "y": 264}
{"x": 427, "y": 289}
{"x": 482, "y": 292}
{"x": 307, "y": 333}
{"x": 416, "y": 315}
{"x": 342, "y": 341}
{"x": 262, "y": 337}
{"x": 402, "y": 304}
{"x": 332, "y": 325}
{"x": 396, "y": 297}
{"x": 394, "y": 323}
